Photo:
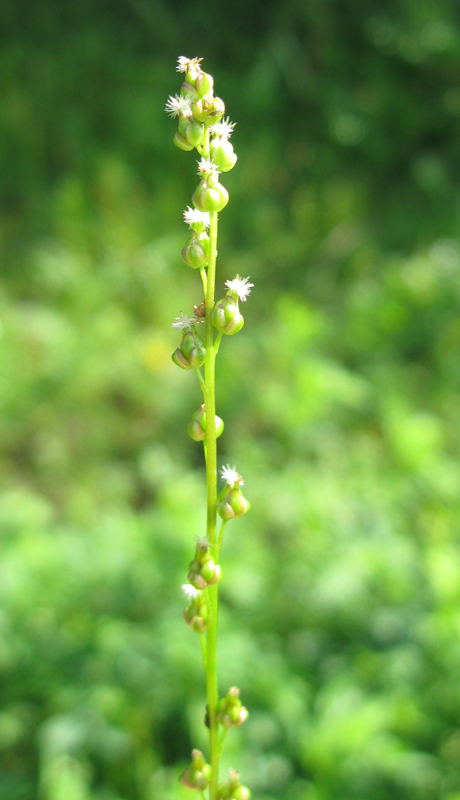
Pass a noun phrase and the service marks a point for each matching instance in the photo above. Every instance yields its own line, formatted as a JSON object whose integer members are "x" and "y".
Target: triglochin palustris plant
{"x": 201, "y": 126}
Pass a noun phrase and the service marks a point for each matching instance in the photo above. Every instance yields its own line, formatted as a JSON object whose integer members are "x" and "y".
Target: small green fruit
{"x": 196, "y": 429}
{"x": 210, "y": 195}
{"x": 196, "y": 250}
{"x": 221, "y": 152}
{"x": 226, "y": 316}
{"x": 191, "y": 353}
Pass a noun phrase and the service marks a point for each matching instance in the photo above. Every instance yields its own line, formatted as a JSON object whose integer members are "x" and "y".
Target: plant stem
{"x": 221, "y": 536}
{"x": 203, "y": 648}
{"x": 222, "y": 737}
{"x": 203, "y": 278}
{"x": 211, "y": 477}
{"x": 200, "y": 378}
{"x": 218, "y": 341}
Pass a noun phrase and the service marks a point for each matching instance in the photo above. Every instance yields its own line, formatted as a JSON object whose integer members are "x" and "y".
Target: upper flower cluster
{"x": 200, "y": 116}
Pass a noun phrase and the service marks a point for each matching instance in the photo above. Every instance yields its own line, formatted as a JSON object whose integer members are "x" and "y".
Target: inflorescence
{"x": 201, "y": 126}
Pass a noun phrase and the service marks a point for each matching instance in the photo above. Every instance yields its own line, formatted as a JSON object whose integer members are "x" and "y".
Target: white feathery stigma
{"x": 205, "y": 166}
{"x": 231, "y": 476}
{"x": 193, "y": 215}
{"x": 223, "y": 128}
{"x": 182, "y": 64}
{"x": 190, "y": 591}
{"x": 202, "y": 541}
{"x": 179, "y": 105}
{"x": 183, "y": 322}
{"x": 241, "y": 286}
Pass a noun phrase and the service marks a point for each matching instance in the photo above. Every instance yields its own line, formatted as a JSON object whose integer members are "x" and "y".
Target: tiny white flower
{"x": 182, "y": 64}
{"x": 231, "y": 476}
{"x": 182, "y": 322}
{"x": 190, "y": 591}
{"x": 208, "y": 167}
{"x": 192, "y": 215}
{"x": 241, "y": 286}
{"x": 202, "y": 541}
{"x": 179, "y": 105}
{"x": 223, "y": 128}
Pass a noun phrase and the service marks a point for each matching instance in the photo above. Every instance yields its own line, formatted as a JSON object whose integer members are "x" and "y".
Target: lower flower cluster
{"x": 198, "y": 776}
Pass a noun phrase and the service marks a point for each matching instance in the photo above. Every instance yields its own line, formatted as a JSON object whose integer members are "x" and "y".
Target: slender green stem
{"x": 222, "y": 737}
{"x": 201, "y": 380}
{"x": 204, "y": 279}
{"x": 218, "y": 341}
{"x": 203, "y": 648}
{"x": 211, "y": 478}
{"x": 203, "y": 149}
{"x": 205, "y": 145}
{"x": 221, "y": 536}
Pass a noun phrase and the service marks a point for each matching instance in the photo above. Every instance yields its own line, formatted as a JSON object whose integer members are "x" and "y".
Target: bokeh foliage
{"x": 340, "y": 610}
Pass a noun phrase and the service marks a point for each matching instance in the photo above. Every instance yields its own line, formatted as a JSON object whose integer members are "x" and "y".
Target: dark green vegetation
{"x": 340, "y": 610}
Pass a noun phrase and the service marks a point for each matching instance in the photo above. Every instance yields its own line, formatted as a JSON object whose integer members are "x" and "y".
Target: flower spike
{"x": 240, "y": 286}
{"x": 202, "y": 127}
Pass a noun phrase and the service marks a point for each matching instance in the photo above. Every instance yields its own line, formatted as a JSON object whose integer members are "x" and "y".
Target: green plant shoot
{"x": 202, "y": 127}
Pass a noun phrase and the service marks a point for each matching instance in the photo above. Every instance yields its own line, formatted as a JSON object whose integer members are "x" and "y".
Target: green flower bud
{"x": 196, "y": 614}
{"x": 242, "y": 793}
{"x": 196, "y": 429}
{"x": 181, "y": 142}
{"x": 231, "y": 503}
{"x": 221, "y": 152}
{"x": 230, "y": 712}
{"x": 232, "y": 789}
{"x": 198, "y": 775}
{"x": 226, "y": 315}
{"x": 187, "y": 89}
{"x": 191, "y": 352}
{"x": 196, "y": 250}
{"x": 204, "y": 84}
{"x": 190, "y": 130}
{"x": 208, "y": 109}
{"x": 184, "y": 120}
{"x": 216, "y": 110}
{"x": 210, "y": 195}
{"x": 202, "y": 569}
{"x": 192, "y": 74}
{"x": 195, "y": 133}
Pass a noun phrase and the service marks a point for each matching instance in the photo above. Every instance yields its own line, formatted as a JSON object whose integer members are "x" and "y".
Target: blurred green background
{"x": 340, "y": 616}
